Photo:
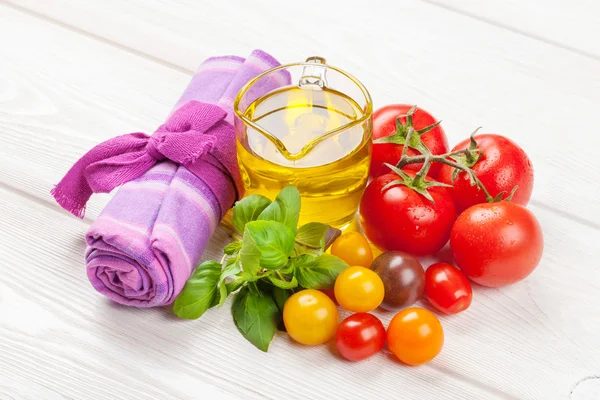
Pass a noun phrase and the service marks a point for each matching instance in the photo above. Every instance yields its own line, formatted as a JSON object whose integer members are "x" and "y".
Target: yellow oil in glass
{"x": 330, "y": 169}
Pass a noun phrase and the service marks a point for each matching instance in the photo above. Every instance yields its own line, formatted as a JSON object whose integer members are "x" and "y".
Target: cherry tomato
{"x": 415, "y": 336}
{"x": 359, "y": 336}
{"x": 403, "y": 279}
{"x": 358, "y": 289}
{"x": 501, "y": 166}
{"x": 353, "y": 248}
{"x": 447, "y": 289}
{"x": 496, "y": 244}
{"x": 310, "y": 317}
{"x": 384, "y": 124}
{"x": 330, "y": 293}
{"x": 399, "y": 218}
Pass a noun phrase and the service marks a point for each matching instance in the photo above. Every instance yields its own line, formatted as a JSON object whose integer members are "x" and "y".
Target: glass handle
{"x": 313, "y": 76}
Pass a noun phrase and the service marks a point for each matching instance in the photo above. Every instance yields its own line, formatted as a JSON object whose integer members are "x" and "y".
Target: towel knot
{"x": 190, "y": 133}
{"x": 152, "y": 148}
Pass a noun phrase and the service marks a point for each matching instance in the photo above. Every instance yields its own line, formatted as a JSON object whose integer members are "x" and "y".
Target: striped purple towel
{"x": 148, "y": 240}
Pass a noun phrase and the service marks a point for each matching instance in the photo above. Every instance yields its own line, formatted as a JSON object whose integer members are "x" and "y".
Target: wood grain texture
{"x": 469, "y": 73}
{"x": 59, "y": 334}
{"x": 62, "y": 90}
{"x": 572, "y": 25}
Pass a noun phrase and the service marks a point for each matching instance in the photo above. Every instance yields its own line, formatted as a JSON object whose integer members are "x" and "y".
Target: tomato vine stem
{"x": 427, "y": 159}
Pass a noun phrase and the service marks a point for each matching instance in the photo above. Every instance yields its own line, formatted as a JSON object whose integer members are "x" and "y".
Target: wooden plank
{"x": 58, "y": 98}
{"x": 60, "y": 338}
{"x": 468, "y": 73}
{"x": 66, "y": 339}
{"x": 572, "y": 25}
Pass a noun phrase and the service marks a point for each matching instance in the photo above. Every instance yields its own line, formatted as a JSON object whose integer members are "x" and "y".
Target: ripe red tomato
{"x": 496, "y": 244}
{"x": 360, "y": 336}
{"x": 447, "y": 289}
{"x": 384, "y": 124}
{"x": 399, "y": 218}
{"x": 501, "y": 166}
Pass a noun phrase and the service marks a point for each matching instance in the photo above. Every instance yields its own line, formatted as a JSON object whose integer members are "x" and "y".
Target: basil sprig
{"x": 272, "y": 260}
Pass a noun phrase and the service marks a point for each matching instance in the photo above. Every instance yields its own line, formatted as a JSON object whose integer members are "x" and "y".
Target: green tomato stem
{"x": 427, "y": 159}
{"x": 409, "y": 134}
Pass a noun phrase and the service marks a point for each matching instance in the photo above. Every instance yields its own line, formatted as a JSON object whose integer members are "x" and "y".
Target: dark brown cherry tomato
{"x": 403, "y": 279}
{"x": 447, "y": 289}
{"x": 360, "y": 336}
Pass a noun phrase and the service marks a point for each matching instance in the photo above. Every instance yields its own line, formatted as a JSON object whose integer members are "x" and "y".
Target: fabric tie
{"x": 190, "y": 133}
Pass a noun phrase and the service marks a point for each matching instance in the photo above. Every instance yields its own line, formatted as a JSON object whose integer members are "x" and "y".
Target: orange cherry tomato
{"x": 310, "y": 317}
{"x": 353, "y": 248}
{"x": 358, "y": 289}
{"x": 415, "y": 336}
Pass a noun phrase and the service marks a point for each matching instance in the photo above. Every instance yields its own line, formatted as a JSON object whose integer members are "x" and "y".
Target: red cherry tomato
{"x": 447, "y": 289}
{"x": 384, "y": 124}
{"x": 501, "y": 166}
{"x": 360, "y": 336}
{"x": 401, "y": 219}
{"x": 330, "y": 293}
{"x": 496, "y": 244}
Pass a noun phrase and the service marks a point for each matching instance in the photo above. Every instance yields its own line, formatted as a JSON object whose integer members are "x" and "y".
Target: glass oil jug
{"x": 309, "y": 125}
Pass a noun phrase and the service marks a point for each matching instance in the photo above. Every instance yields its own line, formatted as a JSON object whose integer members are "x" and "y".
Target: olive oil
{"x": 310, "y": 139}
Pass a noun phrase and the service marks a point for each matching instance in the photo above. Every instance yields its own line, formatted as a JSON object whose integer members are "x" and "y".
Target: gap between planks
{"x": 51, "y": 205}
{"x": 497, "y": 24}
{"x": 98, "y": 38}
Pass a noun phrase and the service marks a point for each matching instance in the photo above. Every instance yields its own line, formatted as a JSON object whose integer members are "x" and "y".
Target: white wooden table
{"x": 75, "y": 72}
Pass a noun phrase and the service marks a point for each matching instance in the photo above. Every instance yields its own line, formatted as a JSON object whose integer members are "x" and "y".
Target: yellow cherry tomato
{"x": 353, "y": 248}
{"x": 415, "y": 336}
{"x": 310, "y": 317}
{"x": 358, "y": 289}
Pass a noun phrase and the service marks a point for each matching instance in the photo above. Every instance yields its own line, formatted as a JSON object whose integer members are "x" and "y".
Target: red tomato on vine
{"x": 500, "y": 166}
{"x": 400, "y": 212}
{"x": 390, "y": 127}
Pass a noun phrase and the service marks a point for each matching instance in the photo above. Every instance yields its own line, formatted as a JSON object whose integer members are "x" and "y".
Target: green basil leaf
{"x": 249, "y": 257}
{"x": 234, "y": 285}
{"x": 282, "y": 283}
{"x": 318, "y": 272}
{"x": 232, "y": 248}
{"x": 199, "y": 292}
{"x": 312, "y": 235}
{"x": 248, "y": 209}
{"x": 281, "y": 296}
{"x": 256, "y": 317}
{"x": 274, "y": 240}
{"x": 231, "y": 268}
{"x": 285, "y": 208}
{"x": 300, "y": 250}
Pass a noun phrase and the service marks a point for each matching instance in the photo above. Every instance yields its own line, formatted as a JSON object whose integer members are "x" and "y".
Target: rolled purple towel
{"x": 176, "y": 187}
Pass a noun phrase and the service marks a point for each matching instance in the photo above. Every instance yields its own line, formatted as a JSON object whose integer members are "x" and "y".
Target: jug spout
{"x": 315, "y": 116}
